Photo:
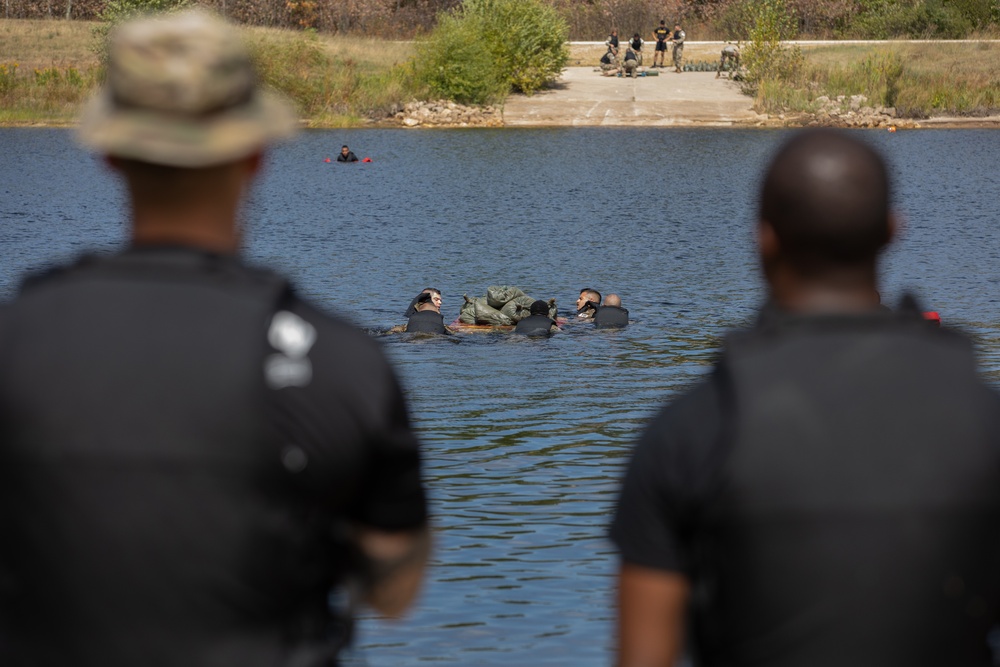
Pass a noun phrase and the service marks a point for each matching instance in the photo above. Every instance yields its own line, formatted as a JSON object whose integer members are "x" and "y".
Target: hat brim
{"x": 184, "y": 141}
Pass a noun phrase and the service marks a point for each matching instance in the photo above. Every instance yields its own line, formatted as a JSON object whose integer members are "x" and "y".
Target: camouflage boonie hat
{"x": 181, "y": 91}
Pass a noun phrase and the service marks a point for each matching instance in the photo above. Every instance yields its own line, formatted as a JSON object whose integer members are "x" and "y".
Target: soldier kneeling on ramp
{"x": 730, "y": 53}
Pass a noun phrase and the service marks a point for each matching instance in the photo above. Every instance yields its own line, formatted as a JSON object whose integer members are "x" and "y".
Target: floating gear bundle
{"x": 503, "y": 305}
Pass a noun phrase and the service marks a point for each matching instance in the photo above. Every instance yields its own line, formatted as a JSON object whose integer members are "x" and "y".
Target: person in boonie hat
{"x": 181, "y": 90}
{"x": 221, "y": 398}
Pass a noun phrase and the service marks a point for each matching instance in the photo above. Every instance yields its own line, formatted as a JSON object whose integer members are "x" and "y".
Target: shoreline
{"x": 956, "y": 77}
{"x": 934, "y": 123}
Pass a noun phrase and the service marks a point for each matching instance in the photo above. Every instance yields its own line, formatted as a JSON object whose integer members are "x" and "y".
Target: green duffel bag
{"x": 517, "y": 308}
{"x": 486, "y": 314}
{"x": 553, "y": 310}
{"x": 467, "y": 314}
{"x": 497, "y": 296}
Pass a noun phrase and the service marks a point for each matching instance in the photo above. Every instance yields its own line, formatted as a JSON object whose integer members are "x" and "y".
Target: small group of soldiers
{"x": 629, "y": 64}
{"x": 632, "y": 60}
{"x": 664, "y": 37}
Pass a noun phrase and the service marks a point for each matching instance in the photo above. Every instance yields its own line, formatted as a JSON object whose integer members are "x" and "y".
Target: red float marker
{"x": 933, "y": 317}
{"x": 367, "y": 159}
{"x": 326, "y": 160}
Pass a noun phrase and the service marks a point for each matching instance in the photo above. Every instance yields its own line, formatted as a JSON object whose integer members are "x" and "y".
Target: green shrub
{"x": 765, "y": 57}
{"x": 455, "y": 65}
{"x": 527, "y": 39}
{"x": 885, "y": 19}
{"x": 329, "y": 89}
{"x": 979, "y": 13}
{"x": 119, "y": 11}
{"x": 522, "y": 44}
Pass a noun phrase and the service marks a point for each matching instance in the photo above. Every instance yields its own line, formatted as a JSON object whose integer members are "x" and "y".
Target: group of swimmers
{"x": 424, "y": 314}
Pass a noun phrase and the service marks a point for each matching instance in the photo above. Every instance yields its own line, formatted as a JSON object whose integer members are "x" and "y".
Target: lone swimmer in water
{"x": 347, "y": 155}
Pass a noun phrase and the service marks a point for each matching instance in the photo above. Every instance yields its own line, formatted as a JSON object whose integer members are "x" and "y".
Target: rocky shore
{"x": 854, "y": 111}
{"x": 442, "y": 113}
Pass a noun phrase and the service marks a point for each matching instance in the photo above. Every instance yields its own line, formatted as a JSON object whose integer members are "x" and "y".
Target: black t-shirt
{"x": 184, "y": 445}
{"x": 661, "y": 33}
{"x": 832, "y": 491}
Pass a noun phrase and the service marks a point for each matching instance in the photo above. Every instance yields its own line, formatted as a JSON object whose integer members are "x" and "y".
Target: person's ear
{"x": 768, "y": 245}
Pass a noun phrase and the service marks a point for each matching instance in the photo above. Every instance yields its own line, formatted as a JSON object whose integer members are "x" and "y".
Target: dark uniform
{"x": 183, "y": 444}
{"x": 426, "y": 321}
{"x": 661, "y": 38}
{"x": 349, "y": 157}
{"x": 609, "y": 61}
{"x": 631, "y": 62}
{"x": 832, "y": 493}
{"x": 611, "y": 317}
{"x": 535, "y": 325}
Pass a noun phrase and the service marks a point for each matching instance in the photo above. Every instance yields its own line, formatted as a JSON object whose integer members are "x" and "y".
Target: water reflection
{"x": 526, "y": 438}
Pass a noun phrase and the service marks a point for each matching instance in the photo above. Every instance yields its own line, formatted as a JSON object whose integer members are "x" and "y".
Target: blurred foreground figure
{"x": 192, "y": 457}
{"x": 830, "y": 495}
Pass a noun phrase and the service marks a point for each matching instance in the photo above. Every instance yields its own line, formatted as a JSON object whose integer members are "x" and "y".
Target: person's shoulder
{"x": 688, "y": 413}
{"x": 40, "y": 277}
{"x": 684, "y": 441}
{"x": 331, "y": 326}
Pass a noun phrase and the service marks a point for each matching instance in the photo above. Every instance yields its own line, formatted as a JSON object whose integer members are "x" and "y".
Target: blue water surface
{"x": 526, "y": 439}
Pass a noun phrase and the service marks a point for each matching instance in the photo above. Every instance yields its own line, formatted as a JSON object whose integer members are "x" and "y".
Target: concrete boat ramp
{"x": 583, "y": 97}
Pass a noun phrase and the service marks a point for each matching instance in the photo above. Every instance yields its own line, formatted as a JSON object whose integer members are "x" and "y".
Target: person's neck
{"x": 211, "y": 228}
{"x": 847, "y": 291}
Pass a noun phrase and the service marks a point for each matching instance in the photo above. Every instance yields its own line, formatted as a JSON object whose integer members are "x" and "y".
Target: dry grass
{"x": 338, "y": 81}
{"x": 50, "y": 68}
{"x": 334, "y": 81}
{"x": 935, "y": 79}
{"x": 374, "y": 53}
{"x": 47, "y": 69}
{"x": 42, "y": 43}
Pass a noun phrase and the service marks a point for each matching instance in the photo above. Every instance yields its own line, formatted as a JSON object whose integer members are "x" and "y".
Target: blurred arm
{"x": 652, "y": 605}
{"x": 394, "y": 567}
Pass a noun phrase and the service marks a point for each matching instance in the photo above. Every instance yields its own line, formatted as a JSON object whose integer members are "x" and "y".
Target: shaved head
{"x": 826, "y": 196}
{"x": 613, "y": 300}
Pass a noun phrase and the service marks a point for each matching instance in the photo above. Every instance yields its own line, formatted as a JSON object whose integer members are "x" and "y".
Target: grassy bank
{"x": 46, "y": 70}
{"x": 919, "y": 80}
{"x": 49, "y": 68}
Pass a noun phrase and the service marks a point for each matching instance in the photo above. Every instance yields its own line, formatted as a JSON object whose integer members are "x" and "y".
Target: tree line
{"x": 586, "y": 19}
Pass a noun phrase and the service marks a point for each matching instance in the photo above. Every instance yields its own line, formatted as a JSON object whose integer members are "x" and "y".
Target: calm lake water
{"x": 526, "y": 439}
